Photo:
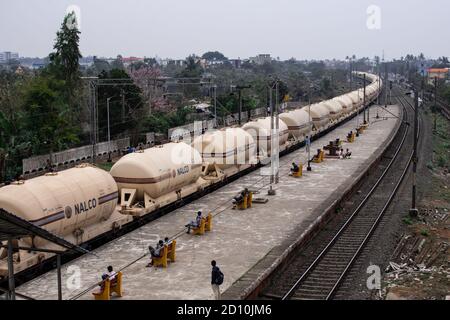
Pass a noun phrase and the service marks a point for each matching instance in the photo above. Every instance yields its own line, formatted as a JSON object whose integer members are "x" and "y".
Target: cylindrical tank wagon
{"x": 63, "y": 202}
{"x": 298, "y": 122}
{"x": 319, "y": 114}
{"x": 260, "y": 131}
{"x": 334, "y": 108}
{"x": 226, "y": 148}
{"x": 157, "y": 171}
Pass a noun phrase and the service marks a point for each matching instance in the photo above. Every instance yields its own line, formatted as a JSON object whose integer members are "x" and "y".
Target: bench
{"x": 171, "y": 250}
{"x": 200, "y": 230}
{"x": 246, "y": 202}
{"x": 162, "y": 259}
{"x": 298, "y": 173}
{"x": 361, "y": 128}
{"x": 318, "y": 158}
{"x": 109, "y": 287}
{"x": 205, "y": 225}
{"x": 208, "y": 222}
{"x": 351, "y": 137}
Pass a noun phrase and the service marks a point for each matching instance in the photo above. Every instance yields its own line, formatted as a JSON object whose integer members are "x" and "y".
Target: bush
{"x": 407, "y": 220}
{"x": 441, "y": 161}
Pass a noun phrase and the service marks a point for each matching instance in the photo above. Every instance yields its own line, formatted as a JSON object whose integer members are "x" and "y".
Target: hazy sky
{"x": 239, "y": 28}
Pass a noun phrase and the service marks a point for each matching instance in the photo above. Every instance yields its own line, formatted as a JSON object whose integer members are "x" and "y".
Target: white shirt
{"x": 111, "y": 275}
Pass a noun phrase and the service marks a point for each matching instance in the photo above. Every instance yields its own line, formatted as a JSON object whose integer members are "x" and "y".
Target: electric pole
{"x": 364, "y": 99}
{"x": 435, "y": 104}
{"x": 240, "y": 88}
{"x": 385, "y": 85}
{"x": 413, "y": 211}
{"x": 123, "y": 105}
{"x": 274, "y": 136}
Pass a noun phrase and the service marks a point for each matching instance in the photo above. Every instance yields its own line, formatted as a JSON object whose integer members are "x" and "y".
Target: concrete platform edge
{"x": 249, "y": 285}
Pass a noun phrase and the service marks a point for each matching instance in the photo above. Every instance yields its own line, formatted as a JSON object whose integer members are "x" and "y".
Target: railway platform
{"x": 247, "y": 244}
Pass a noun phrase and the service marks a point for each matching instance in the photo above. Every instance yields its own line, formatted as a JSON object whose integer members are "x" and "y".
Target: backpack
{"x": 219, "y": 279}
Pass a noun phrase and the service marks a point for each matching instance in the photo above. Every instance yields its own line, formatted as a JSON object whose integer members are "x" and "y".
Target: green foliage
{"x": 125, "y": 107}
{"x": 441, "y": 142}
{"x": 193, "y": 69}
{"x": 41, "y": 114}
{"x": 407, "y": 220}
{"x": 67, "y": 55}
{"x": 106, "y": 165}
{"x": 214, "y": 56}
{"x": 162, "y": 122}
{"x": 44, "y": 104}
{"x": 424, "y": 233}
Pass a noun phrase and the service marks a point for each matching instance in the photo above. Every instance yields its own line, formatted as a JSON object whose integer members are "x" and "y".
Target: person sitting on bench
{"x": 294, "y": 168}
{"x": 196, "y": 223}
{"x": 111, "y": 274}
{"x": 341, "y": 154}
{"x": 348, "y": 154}
{"x": 102, "y": 283}
{"x": 155, "y": 252}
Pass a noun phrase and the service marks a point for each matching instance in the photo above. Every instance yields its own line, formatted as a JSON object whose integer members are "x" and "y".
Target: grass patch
{"x": 441, "y": 142}
{"x": 424, "y": 233}
{"x": 105, "y": 165}
{"x": 407, "y": 220}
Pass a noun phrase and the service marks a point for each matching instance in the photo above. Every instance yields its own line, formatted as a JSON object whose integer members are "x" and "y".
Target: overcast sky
{"x": 302, "y": 29}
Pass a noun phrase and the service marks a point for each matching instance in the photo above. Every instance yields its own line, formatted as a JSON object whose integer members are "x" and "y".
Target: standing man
{"x": 216, "y": 280}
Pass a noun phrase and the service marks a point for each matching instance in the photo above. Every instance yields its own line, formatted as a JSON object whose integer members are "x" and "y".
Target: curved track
{"x": 323, "y": 276}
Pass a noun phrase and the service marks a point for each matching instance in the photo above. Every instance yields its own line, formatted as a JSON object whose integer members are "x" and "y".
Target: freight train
{"x": 85, "y": 202}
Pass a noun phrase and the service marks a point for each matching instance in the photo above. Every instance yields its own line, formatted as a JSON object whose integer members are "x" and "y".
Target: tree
{"x": 67, "y": 54}
{"x": 193, "y": 69}
{"x": 126, "y": 105}
{"x": 46, "y": 106}
{"x": 214, "y": 56}
{"x": 145, "y": 77}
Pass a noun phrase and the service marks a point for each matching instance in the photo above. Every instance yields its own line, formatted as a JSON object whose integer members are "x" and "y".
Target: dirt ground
{"x": 419, "y": 266}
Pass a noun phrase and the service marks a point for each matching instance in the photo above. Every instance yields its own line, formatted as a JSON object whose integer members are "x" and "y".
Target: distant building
{"x": 38, "y": 65}
{"x": 7, "y": 56}
{"x": 86, "y": 61}
{"x": 127, "y": 61}
{"x": 439, "y": 73}
{"x": 261, "y": 59}
{"x": 236, "y": 63}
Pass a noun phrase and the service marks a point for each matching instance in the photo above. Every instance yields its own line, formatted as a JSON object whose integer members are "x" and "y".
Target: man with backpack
{"x": 216, "y": 280}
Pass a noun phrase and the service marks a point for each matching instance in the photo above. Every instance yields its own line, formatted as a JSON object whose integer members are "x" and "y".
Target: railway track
{"x": 322, "y": 274}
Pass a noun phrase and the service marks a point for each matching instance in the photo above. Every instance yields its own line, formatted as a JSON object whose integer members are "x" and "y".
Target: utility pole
{"x": 123, "y": 105}
{"x": 413, "y": 211}
{"x": 351, "y": 73}
{"x": 277, "y": 129}
{"x": 274, "y": 137}
{"x": 215, "y": 106}
{"x": 308, "y": 140}
{"x": 107, "y": 115}
{"x": 357, "y": 113}
{"x": 379, "y": 84}
{"x": 435, "y": 105}
{"x": 109, "y": 131}
{"x": 385, "y": 84}
{"x": 364, "y": 99}
{"x": 240, "y": 88}
{"x": 11, "y": 282}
